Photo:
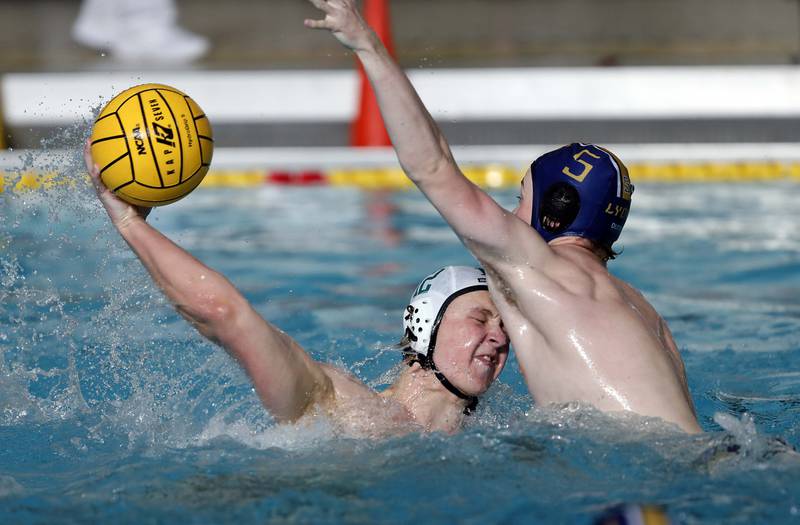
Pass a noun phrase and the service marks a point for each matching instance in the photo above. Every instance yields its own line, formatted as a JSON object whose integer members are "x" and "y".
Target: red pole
{"x": 368, "y": 128}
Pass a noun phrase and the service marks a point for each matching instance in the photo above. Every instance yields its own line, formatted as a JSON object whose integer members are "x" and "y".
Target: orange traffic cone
{"x": 368, "y": 128}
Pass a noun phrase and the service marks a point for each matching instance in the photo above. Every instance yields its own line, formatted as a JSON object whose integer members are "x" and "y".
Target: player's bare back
{"x": 582, "y": 334}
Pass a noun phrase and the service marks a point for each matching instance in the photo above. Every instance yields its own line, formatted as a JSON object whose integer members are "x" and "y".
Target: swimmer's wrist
{"x": 127, "y": 221}
{"x": 372, "y": 43}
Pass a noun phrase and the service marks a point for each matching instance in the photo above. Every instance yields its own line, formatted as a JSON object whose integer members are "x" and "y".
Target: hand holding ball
{"x": 153, "y": 145}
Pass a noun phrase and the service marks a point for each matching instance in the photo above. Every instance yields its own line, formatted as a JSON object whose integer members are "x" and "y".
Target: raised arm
{"x": 287, "y": 380}
{"x": 487, "y": 229}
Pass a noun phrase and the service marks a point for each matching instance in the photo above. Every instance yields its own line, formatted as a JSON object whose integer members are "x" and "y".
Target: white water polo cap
{"x": 430, "y": 300}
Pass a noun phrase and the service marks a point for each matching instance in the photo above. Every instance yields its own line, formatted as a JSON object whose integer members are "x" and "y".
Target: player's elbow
{"x": 429, "y": 171}
{"x": 429, "y": 165}
{"x": 215, "y": 316}
{"x": 223, "y": 311}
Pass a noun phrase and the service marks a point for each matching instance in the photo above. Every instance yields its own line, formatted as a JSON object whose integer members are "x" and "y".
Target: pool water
{"x": 113, "y": 408}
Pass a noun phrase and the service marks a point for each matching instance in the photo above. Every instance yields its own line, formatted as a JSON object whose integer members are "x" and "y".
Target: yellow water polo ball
{"x": 153, "y": 145}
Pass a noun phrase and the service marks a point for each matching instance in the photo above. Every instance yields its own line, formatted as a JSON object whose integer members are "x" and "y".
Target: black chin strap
{"x": 472, "y": 401}
{"x": 426, "y": 361}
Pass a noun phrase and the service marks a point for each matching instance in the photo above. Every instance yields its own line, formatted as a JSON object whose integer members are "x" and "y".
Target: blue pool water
{"x": 113, "y": 409}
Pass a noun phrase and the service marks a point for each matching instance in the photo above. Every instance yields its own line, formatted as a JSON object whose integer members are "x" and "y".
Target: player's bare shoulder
{"x": 345, "y": 385}
{"x": 637, "y": 299}
{"x": 359, "y": 411}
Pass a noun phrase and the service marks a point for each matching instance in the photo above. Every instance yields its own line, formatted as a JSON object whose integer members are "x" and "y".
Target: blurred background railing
{"x": 493, "y": 72}
{"x": 268, "y": 34}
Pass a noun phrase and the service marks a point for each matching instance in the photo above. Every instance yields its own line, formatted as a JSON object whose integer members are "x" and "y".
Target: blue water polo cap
{"x": 582, "y": 190}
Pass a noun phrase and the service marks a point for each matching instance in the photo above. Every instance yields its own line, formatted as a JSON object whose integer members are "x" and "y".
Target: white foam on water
{"x": 16, "y": 404}
{"x": 612, "y": 426}
{"x": 743, "y": 431}
{"x": 146, "y": 420}
{"x": 306, "y": 434}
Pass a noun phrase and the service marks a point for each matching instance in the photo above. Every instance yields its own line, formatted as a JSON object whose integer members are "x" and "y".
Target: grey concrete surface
{"x": 268, "y": 34}
{"x": 257, "y": 34}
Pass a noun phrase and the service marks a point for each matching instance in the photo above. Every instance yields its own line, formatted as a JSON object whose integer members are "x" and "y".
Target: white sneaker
{"x": 167, "y": 45}
{"x": 126, "y": 29}
{"x": 97, "y": 24}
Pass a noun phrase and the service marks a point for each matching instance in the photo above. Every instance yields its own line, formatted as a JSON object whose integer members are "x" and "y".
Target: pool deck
{"x": 267, "y": 36}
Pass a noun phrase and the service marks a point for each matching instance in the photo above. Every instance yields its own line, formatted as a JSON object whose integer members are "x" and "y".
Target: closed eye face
{"x": 479, "y": 314}
{"x": 486, "y": 318}
{"x": 476, "y": 307}
{"x": 483, "y": 315}
{"x": 472, "y": 346}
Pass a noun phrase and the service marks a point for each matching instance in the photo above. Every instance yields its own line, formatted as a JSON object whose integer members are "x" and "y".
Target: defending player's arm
{"x": 422, "y": 149}
{"x": 287, "y": 380}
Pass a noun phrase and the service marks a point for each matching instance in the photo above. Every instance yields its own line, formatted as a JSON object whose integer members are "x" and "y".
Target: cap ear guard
{"x": 560, "y": 206}
{"x": 418, "y": 324}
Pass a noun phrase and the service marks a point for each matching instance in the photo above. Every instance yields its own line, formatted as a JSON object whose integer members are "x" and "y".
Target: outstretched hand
{"x": 344, "y": 21}
{"x": 121, "y": 212}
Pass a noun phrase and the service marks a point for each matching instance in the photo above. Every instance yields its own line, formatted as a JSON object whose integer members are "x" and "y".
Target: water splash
{"x": 305, "y": 435}
{"x": 744, "y": 433}
{"x": 104, "y": 383}
{"x": 70, "y": 341}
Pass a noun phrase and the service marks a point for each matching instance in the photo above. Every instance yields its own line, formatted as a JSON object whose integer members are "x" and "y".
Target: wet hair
{"x": 404, "y": 345}
{"x": 611, "y": 253}
{"x": 409, "y": 355}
